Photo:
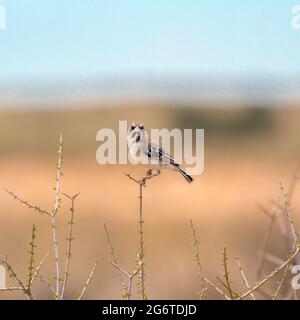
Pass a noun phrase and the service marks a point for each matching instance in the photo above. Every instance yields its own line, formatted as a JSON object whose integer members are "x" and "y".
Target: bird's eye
{"x": 142, "y": 127}
{"x": 132, "y": 128}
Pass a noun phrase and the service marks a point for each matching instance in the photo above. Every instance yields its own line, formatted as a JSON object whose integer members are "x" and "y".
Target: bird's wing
{"x": 155, "y": 152}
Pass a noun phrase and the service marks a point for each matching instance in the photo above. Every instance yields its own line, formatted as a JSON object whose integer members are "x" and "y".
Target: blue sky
{"x": 75, "y": 39}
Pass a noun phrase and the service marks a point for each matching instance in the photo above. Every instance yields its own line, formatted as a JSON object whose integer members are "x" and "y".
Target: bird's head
{"x": 136, "y": 126}
{"x": 137, "y": 131}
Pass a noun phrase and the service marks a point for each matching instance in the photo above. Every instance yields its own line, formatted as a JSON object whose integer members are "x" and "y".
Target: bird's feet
{"x": 150, "y": 173}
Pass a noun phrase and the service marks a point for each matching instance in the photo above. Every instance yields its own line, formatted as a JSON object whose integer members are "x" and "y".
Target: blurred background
{"x": 74, "y": 67}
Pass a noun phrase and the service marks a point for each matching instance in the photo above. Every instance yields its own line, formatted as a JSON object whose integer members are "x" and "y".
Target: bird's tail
{"x": 187, "y": 177}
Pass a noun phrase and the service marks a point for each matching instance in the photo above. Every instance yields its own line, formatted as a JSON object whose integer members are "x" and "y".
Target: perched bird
{"x": 141, "y": 150}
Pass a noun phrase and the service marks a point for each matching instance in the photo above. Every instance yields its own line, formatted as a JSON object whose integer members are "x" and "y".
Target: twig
{"x": 114, "y": 262}
{"x": 271, "y": 275}
{"x": 131, "y": 178}
{"x": 273, "y": 217}
{"x": 143, "y": 179}
{"x": 127, "y": 289}
{"x": 244, "y": 277}
{"x": 69, "y": 240}
{"x": 11, "y": 289}
{"x": 296, "y": 237}
{"x": 198, "y": 261}
{"x": 226, "y": 273}
{"x": 226, "y": 287}
{"x": 284, "y": 274}
{"x": 61, "y": 284}
{"x": 53, "y": 215}
{"x": 130, "y": 278}
{"x": 29, "y": 205}
{"x": 37, "y": 270}
{"x": 14, "y": 275}
{"x": 31, "y": 259}
{"x": 289, "y": 214}
{"x": 129, "y": 275}
{"x": 141, "y": 255}
{"x": 210, "y": 283}
{"x": 49, "y": 285}
{"x": 89, "y": 279}
{"x": 118, "y": 267}
{"x": 58, "y": 176}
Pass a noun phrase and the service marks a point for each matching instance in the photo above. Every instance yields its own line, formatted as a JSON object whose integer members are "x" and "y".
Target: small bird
{"x": 141, "y": 150}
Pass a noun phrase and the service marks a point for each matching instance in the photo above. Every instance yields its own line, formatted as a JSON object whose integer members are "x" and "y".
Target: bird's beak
{"x": 136, "y": 134}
